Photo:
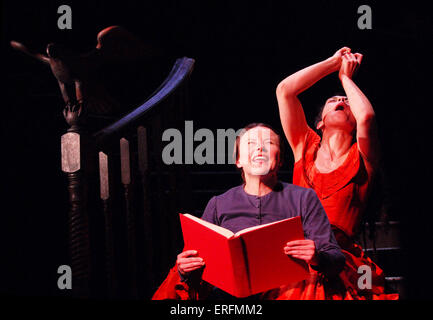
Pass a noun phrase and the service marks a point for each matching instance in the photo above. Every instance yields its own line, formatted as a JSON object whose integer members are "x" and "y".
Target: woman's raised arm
{"x": 291, "y": 113}
{"x": 362, "y": 110}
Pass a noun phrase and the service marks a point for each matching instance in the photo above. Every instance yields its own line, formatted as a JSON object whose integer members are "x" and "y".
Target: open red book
{"x": 248, "y": 262}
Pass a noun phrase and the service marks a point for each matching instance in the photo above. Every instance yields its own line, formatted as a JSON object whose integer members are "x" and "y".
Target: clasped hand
{"x": 348, "y": 62}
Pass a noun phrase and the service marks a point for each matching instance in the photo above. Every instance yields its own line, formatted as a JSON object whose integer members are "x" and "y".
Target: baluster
{"x": 176, "y": 187}
{"x": 108, "y": 218}
{"x": 125, "y": 166}
{"x": 143, "y": 166}
{"x": 187, "y": 113}
{"x": 163, "y": 196}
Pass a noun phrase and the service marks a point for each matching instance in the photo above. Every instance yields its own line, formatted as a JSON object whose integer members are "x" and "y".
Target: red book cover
{"x": 248, "y": 262}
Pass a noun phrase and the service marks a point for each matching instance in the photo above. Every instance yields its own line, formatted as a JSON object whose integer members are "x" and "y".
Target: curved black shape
{"x": 179, "y": 73}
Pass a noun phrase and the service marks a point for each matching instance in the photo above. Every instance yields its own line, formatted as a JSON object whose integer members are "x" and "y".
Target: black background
{"x": 242, "y": 50}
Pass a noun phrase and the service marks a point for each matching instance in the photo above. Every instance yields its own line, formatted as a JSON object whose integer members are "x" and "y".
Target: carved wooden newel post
{"x": 72, "y": 150}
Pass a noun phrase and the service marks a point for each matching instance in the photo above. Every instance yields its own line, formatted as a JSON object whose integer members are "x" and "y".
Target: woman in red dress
{"x": 339, "y": 165}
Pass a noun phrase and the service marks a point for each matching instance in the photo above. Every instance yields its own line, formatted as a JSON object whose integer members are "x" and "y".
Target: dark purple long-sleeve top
{"x": 236, "y": 210}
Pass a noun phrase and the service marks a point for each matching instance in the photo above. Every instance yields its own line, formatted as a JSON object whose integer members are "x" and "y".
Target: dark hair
{"x": 318, "y": 119}
{"x": 251, "y": 126}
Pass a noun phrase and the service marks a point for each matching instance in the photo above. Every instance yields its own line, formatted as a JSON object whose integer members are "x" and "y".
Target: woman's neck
{"x": 260, "y": 185}
{"x": 336, "y": 143}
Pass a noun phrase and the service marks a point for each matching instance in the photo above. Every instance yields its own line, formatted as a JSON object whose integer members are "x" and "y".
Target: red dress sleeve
{"x": 174, "y": 289}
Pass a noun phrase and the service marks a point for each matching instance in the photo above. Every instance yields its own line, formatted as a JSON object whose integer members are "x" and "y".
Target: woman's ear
{"x": 238, "y": 164}
{"x": 320, "y": 125}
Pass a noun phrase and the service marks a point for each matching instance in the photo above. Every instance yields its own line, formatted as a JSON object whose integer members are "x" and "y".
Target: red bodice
{"x": 342, "y": 192}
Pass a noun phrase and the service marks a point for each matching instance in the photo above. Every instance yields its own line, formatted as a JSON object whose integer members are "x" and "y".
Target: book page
{"x": 223, "y": 231}
{"x": 257, "y": 227}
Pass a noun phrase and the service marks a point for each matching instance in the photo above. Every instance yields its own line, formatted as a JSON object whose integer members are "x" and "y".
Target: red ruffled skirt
{"x": 343, "y": 287}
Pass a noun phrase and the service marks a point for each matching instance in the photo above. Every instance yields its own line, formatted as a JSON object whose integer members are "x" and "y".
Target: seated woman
{"x": 261, "y": 199}
{"x": 339, "y": 164}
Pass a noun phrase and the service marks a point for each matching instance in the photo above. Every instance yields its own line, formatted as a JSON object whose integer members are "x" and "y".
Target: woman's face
{"x": 259, "y": 152}
{"x": 337, "y": 113}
